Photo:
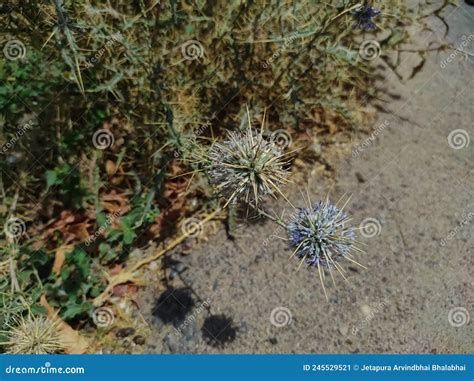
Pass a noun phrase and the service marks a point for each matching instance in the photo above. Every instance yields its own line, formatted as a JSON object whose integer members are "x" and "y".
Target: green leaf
{"x": 38, "y": 309}
{"x": 39, "y": 258}
{"x": 72, "y": 310}
{"x": 128, "y": 235}
{"x": 51, "y": 178}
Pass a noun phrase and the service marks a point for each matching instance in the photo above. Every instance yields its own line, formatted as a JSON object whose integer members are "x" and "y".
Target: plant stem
{"x": 172, "y": 244}
{"x": 274, "y": 219}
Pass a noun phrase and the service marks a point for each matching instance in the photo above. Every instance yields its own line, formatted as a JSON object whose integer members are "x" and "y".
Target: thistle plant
{"x": 32, "y": 335}
{"x": 320, "y": 237}
{"x": 247, "y": 167}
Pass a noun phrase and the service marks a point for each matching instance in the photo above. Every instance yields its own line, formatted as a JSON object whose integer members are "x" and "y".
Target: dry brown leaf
{"x": 72, "y": 342}
{"x": 174, "y": 192}
{"x": 115, "y": 280}
{"x": 125, "y": 289}
{"x": 60, "y": 257}
{"x": 114, "y": 202}
{"x": 76, "y": 232}
{"x": 332, "y": 126}
{"x": 73, "y": 227}
{"x": 116, "y": 180}
{"x": 110, "y": 167}
{"x": 317, "y": 116}
{"x": 111, "y": 207}
{"x": 66, "y": 217}
{"x": 116, "y": 268}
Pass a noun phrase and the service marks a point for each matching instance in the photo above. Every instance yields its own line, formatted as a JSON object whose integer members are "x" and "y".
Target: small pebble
{"x": 124, "y": 332}
{"x": 188, "y": 331}
{"x": 366, "y": 310}
{"x": 171, "y": 343}
{"x": 316, "y": 148}
{"x": 179, "y": 267}
{"x": 343, "y": 330}
{"x": 126, "y": 343}
{"x": 359, "y": 177}
{"x": 139, "y": 340}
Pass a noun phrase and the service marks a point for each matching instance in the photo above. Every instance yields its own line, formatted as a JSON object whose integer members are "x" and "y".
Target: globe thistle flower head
{"x": 247, "y": 167}
{"x": 363, "y": 17}
{"x": 320, "y": 236}
{"x": 32, "y": 335}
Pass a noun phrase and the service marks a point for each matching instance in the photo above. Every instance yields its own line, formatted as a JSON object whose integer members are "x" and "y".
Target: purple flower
{"x": 319, "y": 234}
{"x": 363, "y": 17}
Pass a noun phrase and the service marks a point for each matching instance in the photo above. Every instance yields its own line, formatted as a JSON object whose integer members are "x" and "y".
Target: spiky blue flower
{"x": 319, "y": 234}
{"x": 363, "y": 17}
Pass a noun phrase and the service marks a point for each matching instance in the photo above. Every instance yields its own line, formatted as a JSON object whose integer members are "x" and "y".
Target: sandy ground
{"x": 412, "y": 190}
